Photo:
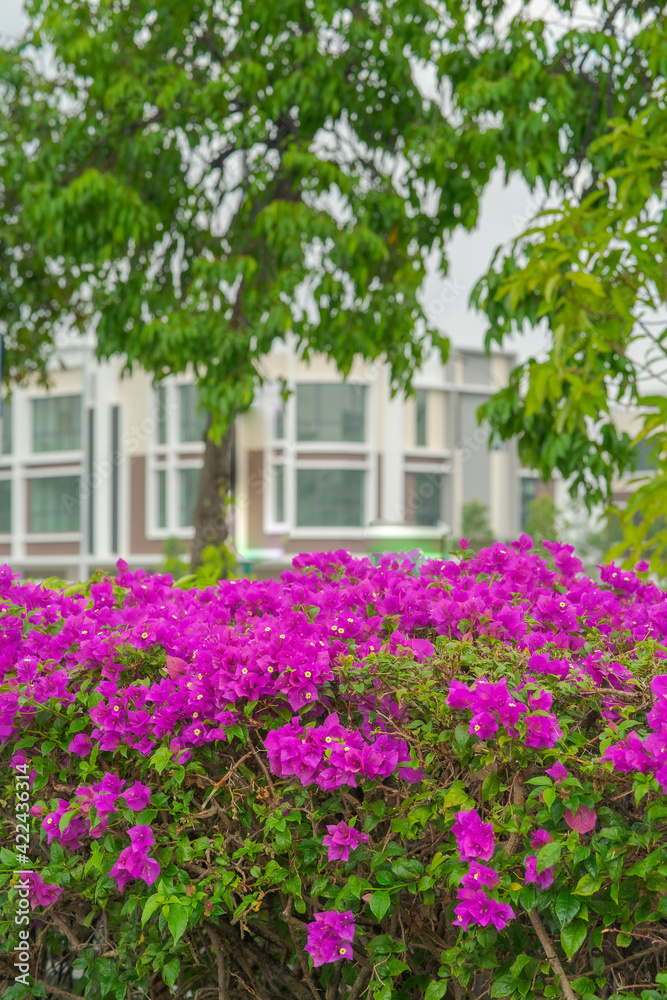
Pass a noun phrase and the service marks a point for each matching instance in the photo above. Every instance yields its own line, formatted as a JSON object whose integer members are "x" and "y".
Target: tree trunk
{"x": 210, "y": 511}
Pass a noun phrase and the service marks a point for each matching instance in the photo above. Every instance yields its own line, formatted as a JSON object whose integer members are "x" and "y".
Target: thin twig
{"x": 57, "y": 991}
{"x": 294, "y": 925}
{"x": 220, "y": 961}
{"x": 224, "y": 778}
{"x": 360, "y": 984}
{"x": 550, "y": 952}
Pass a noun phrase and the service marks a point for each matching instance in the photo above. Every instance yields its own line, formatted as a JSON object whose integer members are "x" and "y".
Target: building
{"x": 102, "y": 466}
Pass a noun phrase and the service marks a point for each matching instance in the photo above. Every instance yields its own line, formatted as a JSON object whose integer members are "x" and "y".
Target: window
{"x": 646, "y": 458}
{"x": 528, "y": 494}
{"x": 5, "y": 506}
{"x": 161, "y": 497}
{"x": 330, "y": 412}
{"x": 280, "y": 423}
{"x": 192, "y": 422}
{"x": 7, "y": 427}
{"x": 54, "y": 504}
{"x": 279, "y": 486}
{"x": 161, "y": 405}
{"x": 329, "y": 498}
{"x": 424, "y": 500}
{"x": 476, "y": 369}
{"x": 421, "y": 418}
{"x": 57, "y": 423}
{"x": 188, "y": 487}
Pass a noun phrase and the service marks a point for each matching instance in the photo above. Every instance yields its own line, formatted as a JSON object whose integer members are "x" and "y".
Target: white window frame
{"x": 62, "y": 455}
{"x": 177, "y": 455}
{"x": 290, "y": 448}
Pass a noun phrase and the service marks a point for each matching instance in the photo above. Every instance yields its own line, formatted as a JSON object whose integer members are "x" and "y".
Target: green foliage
{"x": 183, "y": 197}
{"x": 475, "y": 525}
{"x": 219, "y": 562}
{"x": 588, "y": 119}
{"x": 541, "y": 518}
{"x": 243, "y": 868}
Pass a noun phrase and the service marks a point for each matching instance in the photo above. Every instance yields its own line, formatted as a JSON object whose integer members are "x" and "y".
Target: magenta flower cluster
{"x": 330, "y": 937}
{"x": 474, "y": 839}
{"x": 331, "y": 755}
{"x": 648, "y": 755}
{"x": 281, "y": 643}
{"x": 133, "y": 861}
{"x": 341, "y": 839}
{"x": 494, "y": 705}
{"x": 103, "y": 798}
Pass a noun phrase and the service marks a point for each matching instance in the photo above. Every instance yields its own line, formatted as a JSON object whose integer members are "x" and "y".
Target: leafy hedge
{"x": 393, "y": 781}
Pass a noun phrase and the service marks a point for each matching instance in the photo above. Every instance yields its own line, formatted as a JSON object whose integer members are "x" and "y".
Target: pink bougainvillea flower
{"x": 542, "y": 879}
{"x": 558, "y": 772}
{"x": 540, "y": 838}
{"x": 478, "y": 875}
{"x": 475, "y": 907}
{"x": 41, "y": 893}
{"x": 330, "y": 937}
{"x": 81, "y": 745}
{"x": 583, "y": 820}
{"x": 138, "y": 796}
{"x": 341, "y": 839}
{"x": 474, "y": 838}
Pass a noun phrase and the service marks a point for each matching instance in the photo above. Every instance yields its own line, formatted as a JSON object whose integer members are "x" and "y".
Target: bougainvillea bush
{"x": 411, "y": 779}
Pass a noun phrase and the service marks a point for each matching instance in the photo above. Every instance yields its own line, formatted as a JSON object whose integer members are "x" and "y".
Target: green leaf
{"x": 490, "y": 786}
{"x": 170, "y": 972}
{"x": 436, "y": 990}
{"x": 573, "y": 937}
{"x": 548, "y": 855}
{"x": 151, "y": 906}
{"x": 566, "y": 907}
{"x": 379, "y": 903}
{"x": 177, "y": 919}
{"x": 587, "y": 885}
{"x": 161, "y": 758}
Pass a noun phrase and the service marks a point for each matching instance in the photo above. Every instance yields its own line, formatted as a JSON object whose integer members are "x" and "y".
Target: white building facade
{"x": 102, "y": 467}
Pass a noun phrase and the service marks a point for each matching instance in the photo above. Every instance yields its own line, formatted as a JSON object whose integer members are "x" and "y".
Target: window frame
{"x": 294, "y": 455}
{"x": 60, "y": 452}
{"x": 169, "y": 457}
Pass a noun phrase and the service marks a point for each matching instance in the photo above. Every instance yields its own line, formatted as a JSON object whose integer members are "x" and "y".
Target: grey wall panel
{"x": 475, "y": 453}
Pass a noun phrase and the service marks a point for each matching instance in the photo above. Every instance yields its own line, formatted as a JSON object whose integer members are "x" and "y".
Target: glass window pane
{"x": 330, "y": 412}
{"x": 280, "y": 423}
{"x": 7, "y": 427}
{"x": 280, "y": 493}
{"x": 421, "y": 418}
{"x": 56, "y": 423}
{"x": 476, "y": 369}
{"x": 428, "y": 498}
{"x": 528, "y": 494}
{"x": 161, "y": 406}
{"x": 54, "y": 504}
{"x": 188, "y": 488}
{"x": 192, "y": 422}
{"x": 161, "y": 494}
{"x": 5, "y": 506}
{"x": 330, "y": 498}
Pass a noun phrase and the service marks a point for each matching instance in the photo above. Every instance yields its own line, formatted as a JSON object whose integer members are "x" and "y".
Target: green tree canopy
{"x": 197, "y": 179}
{"x": 584, "y": 99}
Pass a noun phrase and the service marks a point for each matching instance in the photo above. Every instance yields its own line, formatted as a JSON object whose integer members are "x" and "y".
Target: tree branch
{"x": 550, "y": 952}
{"x": 223, "y": 972}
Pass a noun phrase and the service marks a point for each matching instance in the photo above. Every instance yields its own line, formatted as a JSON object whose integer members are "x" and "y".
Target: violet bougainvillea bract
{"x": 404, "y": 775}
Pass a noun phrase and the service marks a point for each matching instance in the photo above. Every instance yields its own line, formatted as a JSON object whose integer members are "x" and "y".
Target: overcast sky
{"x": 505, "y": 211}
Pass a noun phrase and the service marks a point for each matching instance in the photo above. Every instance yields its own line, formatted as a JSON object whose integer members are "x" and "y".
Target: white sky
{"x": 505, "y": 211}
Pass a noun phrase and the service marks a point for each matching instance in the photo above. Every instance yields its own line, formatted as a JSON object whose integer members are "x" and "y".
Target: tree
{"x": 583, "y": 102}
{"x": 197, "y": 179}
{"x": 541, "y": 519}
{"x": 475, "y": 524}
